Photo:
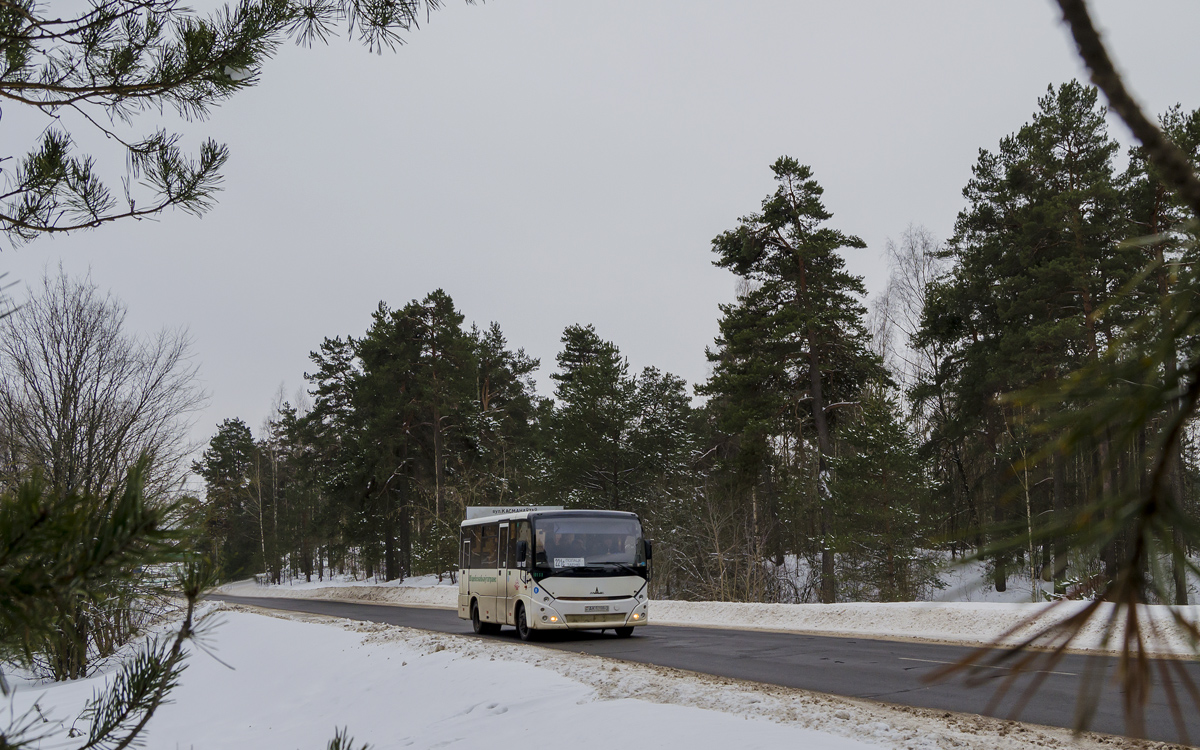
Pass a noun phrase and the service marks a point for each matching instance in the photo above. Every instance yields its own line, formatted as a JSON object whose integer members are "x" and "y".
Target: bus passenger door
{"x": 503, "y": 586}
{"x": 464, "y": 579}
{"x": 518, "y": 573}
{"x": 483, "y": 587}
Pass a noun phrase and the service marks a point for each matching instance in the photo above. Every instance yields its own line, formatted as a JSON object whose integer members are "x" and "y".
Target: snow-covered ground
{"x": 291, "y": 680}
{"x": 970, "y": 582}
{"x": 413, "y": 582}
{"x": 418, "y": 591}
{"x": 974, "y": 622}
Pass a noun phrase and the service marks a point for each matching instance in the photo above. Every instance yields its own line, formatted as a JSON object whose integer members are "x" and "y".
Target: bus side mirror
{"x": 522, "y": 552}
{"x": 649, "y": 549}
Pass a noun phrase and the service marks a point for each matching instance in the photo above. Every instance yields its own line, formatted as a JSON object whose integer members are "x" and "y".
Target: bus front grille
{"x": 609, "y": 617}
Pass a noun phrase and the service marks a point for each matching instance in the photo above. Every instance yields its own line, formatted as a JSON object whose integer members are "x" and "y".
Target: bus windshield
{"x": 581, "y": 541}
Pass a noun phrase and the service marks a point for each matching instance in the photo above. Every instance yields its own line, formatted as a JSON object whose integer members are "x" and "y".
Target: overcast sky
{"x": 550, "y": 163}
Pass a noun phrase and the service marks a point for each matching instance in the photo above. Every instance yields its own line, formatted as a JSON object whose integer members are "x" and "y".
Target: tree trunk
{"x": 1178, "y": 567}
{"x": 405, "y": 512}
{"x": 1000, "y": 561}
{"x": 390, "y": 564}
{"x": 828, "y": 570}
{"x": 306, "y": 555}
{"x": 276, "y": 560}
{"x": 1059, "y": 544}
{"x": 1178, "y": 544}
{"x": 262, "y": 530}
{"x": 1176, "y": 468}
{"x": 438, "y": 480}
{"x": 1109, "y": 553}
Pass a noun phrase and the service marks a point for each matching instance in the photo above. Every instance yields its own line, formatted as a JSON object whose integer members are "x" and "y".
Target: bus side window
{"x": 539, "y": 555}
{"x": 487, "y": 556}
{"x": 476, "y": 548}
{"x": 520, "y": 532}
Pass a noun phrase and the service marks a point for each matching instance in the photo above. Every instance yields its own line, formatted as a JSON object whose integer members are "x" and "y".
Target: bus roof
{"x": 523, "y": 515}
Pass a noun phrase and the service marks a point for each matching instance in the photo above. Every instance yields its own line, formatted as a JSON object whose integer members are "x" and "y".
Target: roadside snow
{"x": 335, "y": 580}
{"x": 292, "y": 680}
{"x": 974, "y": 623}
{"x": 423, "y": 592}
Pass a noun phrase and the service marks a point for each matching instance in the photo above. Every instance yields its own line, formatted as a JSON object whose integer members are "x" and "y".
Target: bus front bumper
{"x": 561, "y": 614}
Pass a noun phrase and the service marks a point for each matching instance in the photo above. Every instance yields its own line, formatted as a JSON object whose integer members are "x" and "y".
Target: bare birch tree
{"x": 914, "y": 263}
{"x": 81, "y": 399}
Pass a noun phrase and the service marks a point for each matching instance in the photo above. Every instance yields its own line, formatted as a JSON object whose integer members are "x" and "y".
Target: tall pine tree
{"x": 1032, "y": 295}
{"x": 794, "y": 345}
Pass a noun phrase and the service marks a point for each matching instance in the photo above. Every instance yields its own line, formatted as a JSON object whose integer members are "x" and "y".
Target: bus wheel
{"x": 527, "y": 633}
{"x": 623, "y": 632}
{"x": 479, "y": 626}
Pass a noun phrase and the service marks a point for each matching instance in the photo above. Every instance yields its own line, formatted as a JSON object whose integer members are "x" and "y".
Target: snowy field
{"x": 291, "y": 680}
{"x": 965, "y": 622}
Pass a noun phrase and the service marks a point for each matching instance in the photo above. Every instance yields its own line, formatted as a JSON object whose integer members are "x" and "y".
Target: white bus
{"x": 554, "y": 570}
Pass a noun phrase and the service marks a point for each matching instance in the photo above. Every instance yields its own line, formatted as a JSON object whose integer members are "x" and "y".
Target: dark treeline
{"x": 839, "y": 453}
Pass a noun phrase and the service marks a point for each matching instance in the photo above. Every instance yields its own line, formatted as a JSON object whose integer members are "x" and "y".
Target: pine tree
{"x": 793, "y": 347}
{"x": 505, "y": 422}
{"x": 226, "y": 466}
{"x": 616, "y": 441}
{"x": 338, "y": 451}
{"x": 1037, "y": 264}
{"x": 1157, "y": 213}
{"x": 590, "y": 452}
{"x": 882, "y": 498}
{"x": 413, "y": 421}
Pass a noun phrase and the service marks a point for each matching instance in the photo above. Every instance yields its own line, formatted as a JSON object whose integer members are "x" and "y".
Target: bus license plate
{"x": 596, "y": 608}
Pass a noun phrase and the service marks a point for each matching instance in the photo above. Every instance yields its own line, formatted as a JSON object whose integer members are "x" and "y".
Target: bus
{"x": 541, "y": 570}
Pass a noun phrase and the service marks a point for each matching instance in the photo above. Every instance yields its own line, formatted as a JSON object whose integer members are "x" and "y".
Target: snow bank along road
{"x": 890, "y": 671}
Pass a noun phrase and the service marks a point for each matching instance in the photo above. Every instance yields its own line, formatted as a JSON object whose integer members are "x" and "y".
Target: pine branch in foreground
{"x": 1149, "y": 377}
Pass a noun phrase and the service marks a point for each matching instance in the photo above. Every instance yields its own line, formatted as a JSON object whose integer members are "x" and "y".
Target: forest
{"x": 843, "y": 449}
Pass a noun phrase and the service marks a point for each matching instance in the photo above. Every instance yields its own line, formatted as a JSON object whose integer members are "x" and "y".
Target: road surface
{"x": 890, "y": 671}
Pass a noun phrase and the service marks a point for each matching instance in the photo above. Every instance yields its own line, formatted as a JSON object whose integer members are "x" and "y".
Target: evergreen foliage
{"x": 84, "y": 405}
{"x": 411, "y": 423}
{"x": 1037, "y": 260}
{"x": 807, "y": 475}
{"x": 103, "y": 64}
{"x": 226, "y": 469}
{"x": 793, "y": 351}
{"x": 620, "y": 441}
{"x": 62, "y": 552}
{"x": 1051, "y": 409}
{"x": 881, "y": 492}
{"x": 1046, "y": 280}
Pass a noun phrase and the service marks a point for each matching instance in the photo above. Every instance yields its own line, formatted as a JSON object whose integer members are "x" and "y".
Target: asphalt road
{"x": 890, "y": 671}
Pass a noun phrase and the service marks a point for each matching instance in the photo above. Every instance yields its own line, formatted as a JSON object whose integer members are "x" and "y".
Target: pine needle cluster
{"x": 117, "y": 59}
